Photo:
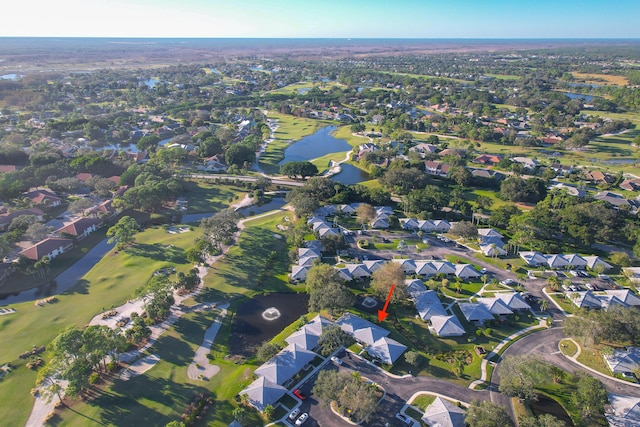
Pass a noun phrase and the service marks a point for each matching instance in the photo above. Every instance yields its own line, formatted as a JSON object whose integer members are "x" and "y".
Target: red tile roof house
{"x": 81, "y": 227}
{"x": 487, "y": 159}
{"x": 6, "y": 218}
{"x": 103, "y": 210}
{"x": 44, "y": 197}
{"x": 51, "y": 247}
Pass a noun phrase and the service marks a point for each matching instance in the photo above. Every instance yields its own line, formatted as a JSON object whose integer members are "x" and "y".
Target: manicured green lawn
{"x": 110, "y": 283}
{"x": 322, "y": 163}
{"x": 568, "y": 348}
{"x": 564, "y": 303}
{"x": 205, "y": 196}
{"x": 592, "y": 357}
{"x": 422, "y": 401}
{"x": 258, "y": 263}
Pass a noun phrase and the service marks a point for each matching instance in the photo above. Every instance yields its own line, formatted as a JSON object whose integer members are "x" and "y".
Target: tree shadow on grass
{"x": 174, "y": 351}
{"x": 81, "y": 287}
{"x": 124, "y": 407}
{"x": 254, "y": 265}
{"x": 158, "y": 252}
{"x": 191, "y": 328}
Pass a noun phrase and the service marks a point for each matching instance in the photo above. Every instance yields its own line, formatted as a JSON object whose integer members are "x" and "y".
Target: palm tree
{"x": 458, "y": 286}
{"x": 553, "y": 282}
{"x": 544, "y": 304}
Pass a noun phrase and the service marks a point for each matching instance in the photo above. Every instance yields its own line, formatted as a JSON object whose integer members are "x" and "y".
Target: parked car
{"x": 403, "y": 418}
{"x": 299, "y": 394}
{"x": 294, "y": 414}
{"x": 508, "y": 282}
{"x": 484, "y": 271}
{"x": 302, "y": 419}
{"x": 336, "y": 360}
{"x": 589, "y": 286}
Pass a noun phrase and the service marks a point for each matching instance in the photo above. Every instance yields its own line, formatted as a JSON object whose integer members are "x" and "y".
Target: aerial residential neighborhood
{"x": 319, "y": 232}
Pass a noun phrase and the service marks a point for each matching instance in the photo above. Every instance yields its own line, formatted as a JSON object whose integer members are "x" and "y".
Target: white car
{"x": 294, "y": 414}
{"x": 336, "y": 360}
{"x": 507, "y": 282}
{"x": 484, "y": 271}
{"x": 302, "y": 419}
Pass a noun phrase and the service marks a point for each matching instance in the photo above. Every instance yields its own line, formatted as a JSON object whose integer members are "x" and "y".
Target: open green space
{"x": 205, "y": 196}
{"x": 591, "y": 356}
{"x": 109, "y": 284}
{"x": 257, "y": 263}
{"x": 563, "y": 303}
{"x": 568, "y": 348}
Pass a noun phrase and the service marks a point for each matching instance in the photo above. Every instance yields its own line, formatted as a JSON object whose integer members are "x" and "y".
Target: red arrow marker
{"x": 382, "y": 314}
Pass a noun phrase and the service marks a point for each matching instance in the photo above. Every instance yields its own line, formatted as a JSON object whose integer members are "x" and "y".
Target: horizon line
{"x": 314, "y": 38}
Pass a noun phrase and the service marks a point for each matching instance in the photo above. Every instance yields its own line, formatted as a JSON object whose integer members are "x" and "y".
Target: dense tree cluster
{"x": 350, "y": 392}
{"x": 617, "y": 325}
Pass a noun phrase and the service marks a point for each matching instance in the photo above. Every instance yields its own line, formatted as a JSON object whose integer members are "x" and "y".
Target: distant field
{"x": 304, "y": 85}
{"x": 503, "y": 77}
{"x": 601, "y": 79}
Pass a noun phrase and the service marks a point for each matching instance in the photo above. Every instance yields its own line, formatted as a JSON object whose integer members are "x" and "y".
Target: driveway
{"x": 398, "y": 391}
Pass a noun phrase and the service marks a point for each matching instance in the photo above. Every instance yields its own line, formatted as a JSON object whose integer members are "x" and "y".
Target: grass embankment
{"x": 290, "y": 128}
{"x": 257, "y": 263}
{"x": 110, "y": 283}
{"x": 205, "y": 196}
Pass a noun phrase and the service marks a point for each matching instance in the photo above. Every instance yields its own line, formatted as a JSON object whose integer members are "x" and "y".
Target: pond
{"x": 151, "y": 83}
{"x": 587, "y": 98}
{"x": 546, "y": 405}
{"x": 351, "y": 175}
{"x": 10, "y": 77}
{"x": 319, "y": 144}
{"x": 262, "y": 318}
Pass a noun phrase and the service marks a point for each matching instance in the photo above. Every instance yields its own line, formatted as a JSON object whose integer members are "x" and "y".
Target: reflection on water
{"x": 351, "y": 175}
{"x": 313, "y": 146}
{"x": 545, "y": 405}
{"x": 250, "y": 329}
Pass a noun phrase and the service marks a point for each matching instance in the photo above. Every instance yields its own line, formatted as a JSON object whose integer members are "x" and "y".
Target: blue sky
{"x": 323, "y": 18}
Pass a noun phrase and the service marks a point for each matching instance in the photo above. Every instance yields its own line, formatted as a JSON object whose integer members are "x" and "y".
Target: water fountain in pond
{"x": 271, "y": 313}
{"x": 369, "y": 302}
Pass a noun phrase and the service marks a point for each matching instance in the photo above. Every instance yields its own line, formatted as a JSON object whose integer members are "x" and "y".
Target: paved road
{"x": 275, "y": 181}
{"x": 545, "y": 345}
{"x": 66, "y": 279}
{"x": 398, "y": 391}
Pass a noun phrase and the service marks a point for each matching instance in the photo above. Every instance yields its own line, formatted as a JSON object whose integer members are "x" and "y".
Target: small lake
{"x": 303, "y": 90}
{"x": 151, "y": 82}
{"x": 10, "y": 77}
{"x": 351, "y": 175}
{"x": 587, "y": 98}
{"x": 546, "y": 405}
{"x": 250, "y": 329}
{"x": 317, "y": 145}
